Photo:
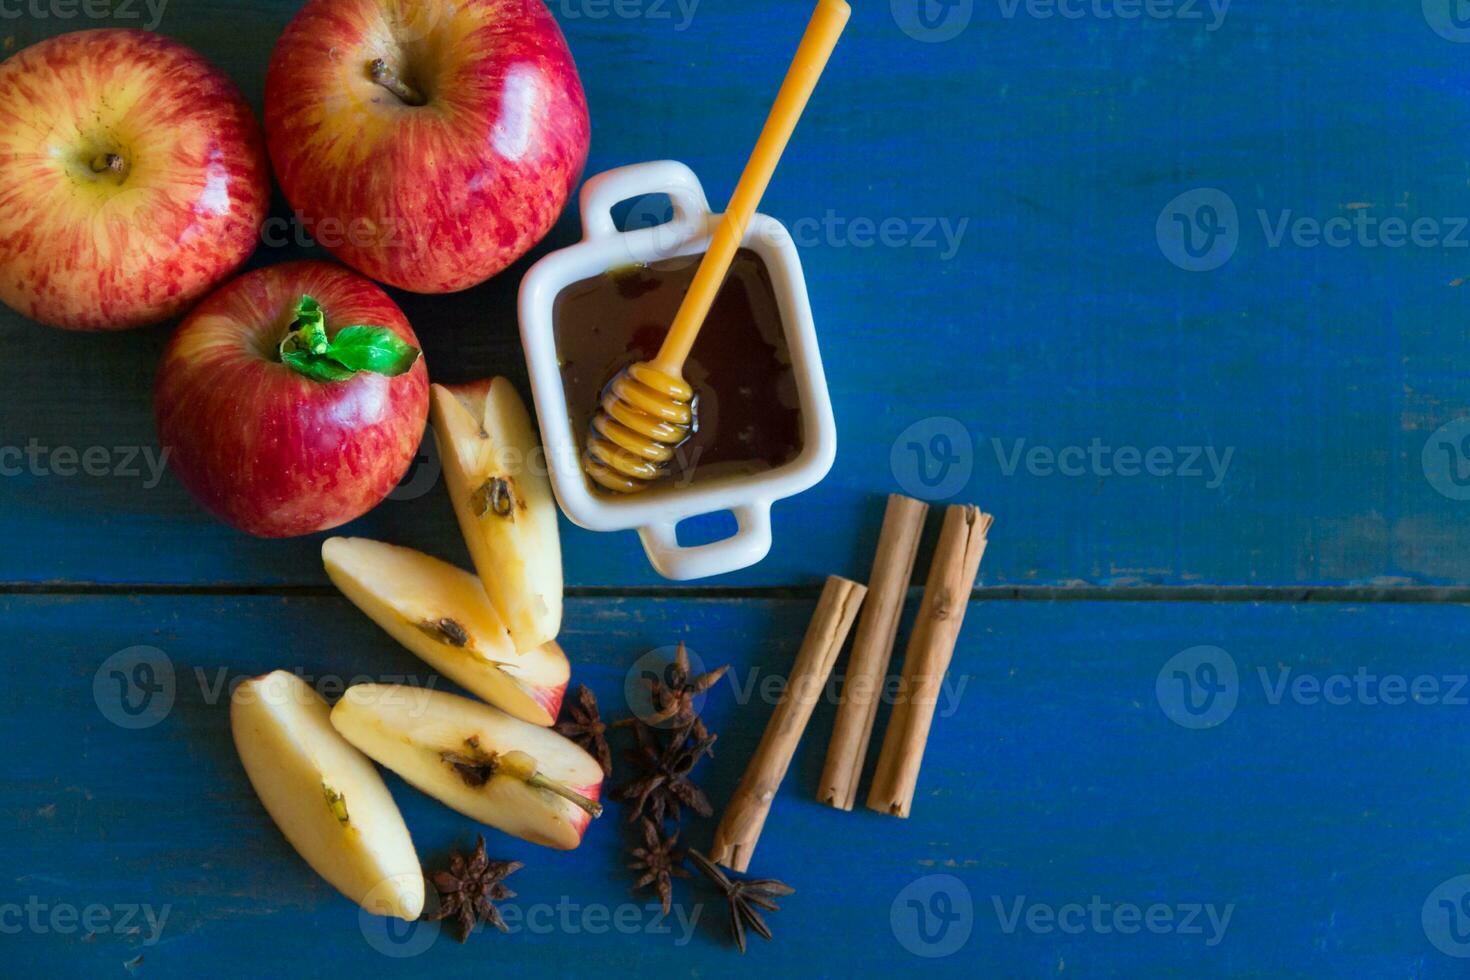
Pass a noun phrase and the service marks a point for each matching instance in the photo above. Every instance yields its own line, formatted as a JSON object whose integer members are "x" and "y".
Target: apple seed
{"x": 337, "y": 803}
{"x": 494, "y": 496}
{"x": 446, "y": 629}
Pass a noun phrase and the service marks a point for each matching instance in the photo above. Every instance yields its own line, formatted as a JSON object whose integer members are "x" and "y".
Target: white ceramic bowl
{"x": 655, "y": 513}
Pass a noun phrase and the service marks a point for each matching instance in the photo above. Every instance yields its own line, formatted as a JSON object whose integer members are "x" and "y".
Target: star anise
{"x": 584, "y": 725}
{"x": 664, "y": 786}
{"x": 673, "y": 701}
{"x": 745, "y": 896}
{"x": 467, "y": 889}
{"x": 658, "y": 862}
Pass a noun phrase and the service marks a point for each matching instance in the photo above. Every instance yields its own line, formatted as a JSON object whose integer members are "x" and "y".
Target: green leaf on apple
{"x": 306, "y": 349}
{"x": 375, "y": 349}
{"x": 316, "y": 368}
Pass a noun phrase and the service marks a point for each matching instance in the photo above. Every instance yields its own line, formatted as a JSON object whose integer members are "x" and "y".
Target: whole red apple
{"x": 428, "y": 145}
{"x": 133, "y": 179}
{"x": 293, "y": 399}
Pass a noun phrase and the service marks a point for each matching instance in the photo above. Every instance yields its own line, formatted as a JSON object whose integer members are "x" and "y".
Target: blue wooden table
{"x": 1172, "y": 289}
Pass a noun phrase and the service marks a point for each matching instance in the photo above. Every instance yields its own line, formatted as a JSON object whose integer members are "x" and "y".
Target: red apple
{"x": 133, "y": 179}
{"x": 428, "y": 145}
{"x": 279, "y": 435}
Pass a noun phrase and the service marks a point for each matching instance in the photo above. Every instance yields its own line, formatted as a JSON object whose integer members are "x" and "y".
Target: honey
{"x": 747, "y": 413}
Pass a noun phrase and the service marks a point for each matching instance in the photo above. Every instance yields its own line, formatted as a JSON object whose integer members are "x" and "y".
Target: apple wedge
{"x": 502, "y": 497}
{"x": 523, "y": 779}
{"x": 441, "y": 613}
{"x": 326, "y": 797}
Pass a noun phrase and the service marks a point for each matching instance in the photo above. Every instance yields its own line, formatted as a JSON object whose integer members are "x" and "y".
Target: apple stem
{"x": 523, "y": 767}
{"x": 109, "y": 162}
{"x": 380, "y": 73}
{"x": 565, "y": 792}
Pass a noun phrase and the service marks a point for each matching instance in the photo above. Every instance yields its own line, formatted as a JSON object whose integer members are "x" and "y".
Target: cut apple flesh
{"x": 325, "y": 796}
{"x": 520, "y": 778}
{"x": 419, "y": 596}
{"x": 442, "y": 614}
{"x": 501, "y": 493}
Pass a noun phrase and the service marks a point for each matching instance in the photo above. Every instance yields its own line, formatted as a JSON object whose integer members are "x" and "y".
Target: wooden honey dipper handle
{"x": 816, "y": 46}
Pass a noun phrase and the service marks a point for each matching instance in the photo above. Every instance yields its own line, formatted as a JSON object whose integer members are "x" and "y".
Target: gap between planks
{"x": 1006, "y": 593}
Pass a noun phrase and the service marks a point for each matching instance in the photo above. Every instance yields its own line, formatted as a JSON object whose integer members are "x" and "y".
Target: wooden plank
{"x": 1056, "y": 324}
{"x": 1055, "y": 775}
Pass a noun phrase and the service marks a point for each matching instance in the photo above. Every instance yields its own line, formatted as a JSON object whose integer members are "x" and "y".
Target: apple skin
{"x": 83, "y": 250}
{"x": 438, "y": 197}
{"x": 268, "y": 450}
{"x": 407, "y": 730}
{"x": 403, "y": 590}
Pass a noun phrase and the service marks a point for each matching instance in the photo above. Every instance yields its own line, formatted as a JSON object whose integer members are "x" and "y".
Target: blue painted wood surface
{"x": 1329, "y": 377}
{"x": 1057, "y": 321}
{"x": 1054, "y": 774}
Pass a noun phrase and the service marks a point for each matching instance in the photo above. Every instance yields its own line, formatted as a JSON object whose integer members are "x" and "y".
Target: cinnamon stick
{"x": 872, "y": 649}
{"x": 930, "y": 649}
{"x": 745, "y": 815}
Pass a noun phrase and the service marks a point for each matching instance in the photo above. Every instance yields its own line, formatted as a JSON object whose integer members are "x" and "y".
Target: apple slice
{"x": 525, "y": 780}
{"x": 325, "y": 796}
{"x": 441, "y": 613}
{"x": 488, "y": 448}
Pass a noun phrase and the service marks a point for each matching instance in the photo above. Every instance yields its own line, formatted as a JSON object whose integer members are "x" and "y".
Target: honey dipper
{"x": 648, "y": 409}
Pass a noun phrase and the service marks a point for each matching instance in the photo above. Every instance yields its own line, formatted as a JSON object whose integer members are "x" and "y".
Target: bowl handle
{"x": 603, "y": 192}
{"x": 748, "y": 545}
